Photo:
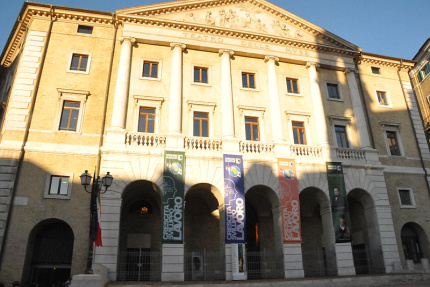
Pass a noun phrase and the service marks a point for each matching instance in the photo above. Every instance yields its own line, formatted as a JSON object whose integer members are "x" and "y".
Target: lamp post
{"x": 96, "y": 188}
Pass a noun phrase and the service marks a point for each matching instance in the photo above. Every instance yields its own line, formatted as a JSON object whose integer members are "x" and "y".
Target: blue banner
{"x": 234, "y": 199}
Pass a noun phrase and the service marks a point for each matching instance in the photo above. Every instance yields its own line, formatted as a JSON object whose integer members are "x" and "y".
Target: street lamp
{"x": 96, "y": 188}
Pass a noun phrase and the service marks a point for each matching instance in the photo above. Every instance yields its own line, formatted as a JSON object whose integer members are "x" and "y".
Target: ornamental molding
{"x": 386, "y": 63}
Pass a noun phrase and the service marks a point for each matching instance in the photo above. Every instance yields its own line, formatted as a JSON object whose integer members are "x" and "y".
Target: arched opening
{"x": 204, "y": 248}
{"x": 318, "y": 246}
{"x": 49, "y": 253}
{"x": 366, "y": 244}
{"x": 264, "y": 254}
{"x": 140, "y": 233}
{"x": 414, "y": 242}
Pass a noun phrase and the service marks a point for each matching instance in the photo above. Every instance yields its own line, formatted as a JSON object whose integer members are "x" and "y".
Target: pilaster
{"x": 227, "y": 94}
{"x": 175, "y": 103}
{"x": 275, "y": 105}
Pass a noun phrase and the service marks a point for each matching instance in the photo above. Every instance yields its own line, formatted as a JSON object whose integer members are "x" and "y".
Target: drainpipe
{"x": 413, "y": 127}
{"x": 27, "y": 130}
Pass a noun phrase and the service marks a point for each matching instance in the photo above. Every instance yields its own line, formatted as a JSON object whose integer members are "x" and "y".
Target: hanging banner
{"x": 173, "y": 197}
{"x": 290, "y": 201}
{"x": 234, "y": 199}
{"x": 339, "y": 203}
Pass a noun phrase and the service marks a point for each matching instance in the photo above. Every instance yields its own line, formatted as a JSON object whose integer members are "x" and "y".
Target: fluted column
{"x": 227, "y": 94}
{"x": 175, "y": 102}
{"x": 275, "y": 105}
{"x": 122, "y": 84}
{"x": 358, "y": 108}
{"x": 318, "y": 107}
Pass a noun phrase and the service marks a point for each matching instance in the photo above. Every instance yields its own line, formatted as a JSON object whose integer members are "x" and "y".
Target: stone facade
{"x": 295, "y": 68}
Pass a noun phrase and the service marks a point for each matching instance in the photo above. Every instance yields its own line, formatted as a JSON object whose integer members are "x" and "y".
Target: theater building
{"x": 244, "y": 142}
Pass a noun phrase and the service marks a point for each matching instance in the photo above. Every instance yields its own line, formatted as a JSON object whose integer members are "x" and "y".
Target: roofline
{"x": 421, "y": 48}
{"x": 389, "y": 58}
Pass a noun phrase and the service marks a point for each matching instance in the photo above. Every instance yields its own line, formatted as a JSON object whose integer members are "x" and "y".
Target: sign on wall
{"x": 173, "y": 197}
{"x": 339, "y": 202}
{"x": 234, "y": 199}
{"x": 290, "y": 201}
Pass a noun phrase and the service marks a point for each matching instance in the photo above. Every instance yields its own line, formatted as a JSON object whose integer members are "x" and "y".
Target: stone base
{"x": 87, "y": 280}
{"x": 173, "y": 263}
{"x": 293, "y": 261}
{"x": 345, "y": 261}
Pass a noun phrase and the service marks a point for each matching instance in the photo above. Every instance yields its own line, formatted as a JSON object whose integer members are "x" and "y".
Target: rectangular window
{"x": 393, "y": 143}
{"x": 299, "y": 132}
{"x": 382, "y": 98}
{"x": 79, "y": 63}
{"x": 201, "y": 124}
{"x": 248, "y": 80}
{"x": 69, "y": 116}
{"x": 85, "y": 29}
{"x": 146, "y": 120}
{"x": 59, "y": 185}
{"x": 341, "y": 138}
{"x": 292, "y": 86}
{"x": 200, "y": 75}
{"x": 333, "y": 92}
{"x": 150, "y": 69}
{"x": 375, "y": 70}
{"x": 405, "y": 197}
{"x": 252, "y": 129}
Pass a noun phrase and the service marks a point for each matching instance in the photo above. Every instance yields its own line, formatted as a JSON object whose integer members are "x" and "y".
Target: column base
{"x": 230, "y": 144}
{"x": 282, "y": 149}
{"x": 115, "y": 137}
{"x": 172, "y": 269}
{"x": 175, "y": 140}
{"x": 293, "y": 260}
{"x": 344, "y": 259}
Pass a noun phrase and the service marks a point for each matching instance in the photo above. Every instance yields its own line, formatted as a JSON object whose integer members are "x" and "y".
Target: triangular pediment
{"x": 250, "y": 16}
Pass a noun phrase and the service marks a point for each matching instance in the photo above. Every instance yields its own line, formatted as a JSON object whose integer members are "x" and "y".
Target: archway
{"x": 204, "y": 248}
{"x": 318, "y": 246}
{"x": 49, "y": 253}
{"x": 139, "y": 256}
{"x": 366, "y": 245}
{"x": 264, "y": 243}
{"x": 414, "y": 242}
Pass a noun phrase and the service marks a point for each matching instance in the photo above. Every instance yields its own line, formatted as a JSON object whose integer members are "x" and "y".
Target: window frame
{"x": 64, "y": 95}
{"x": 298, "y": 129}
{"x": 387, "y": 97}
{"x": 255, "y": 112}
{"x": 138, "y": 120}
{"x": 87, "y": 70}
{"x": 293, "y": 116}
{"x": 373, "y": 68}
{"x": 345, "y": 122}
{"x": 411, "y": 197}
{"x": 208, "y": 69}
{"x": 159, "y": 70}
{"x": 392, "y": 127}
{"x": 201, "y": 120}
{"x": 298, "y": 86}
{"x": 255, "y": 81}
{"x": 339, "y": 91}
{"x": 201, "y": 107}
{"x": 49, "y": 175}
{"x": 86, "y": 26}
{"x": 63, "y": 109}
{"x": 141, "y": 101}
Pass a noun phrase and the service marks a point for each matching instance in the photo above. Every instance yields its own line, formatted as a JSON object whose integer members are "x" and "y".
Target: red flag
{"x": 98, "y": 240}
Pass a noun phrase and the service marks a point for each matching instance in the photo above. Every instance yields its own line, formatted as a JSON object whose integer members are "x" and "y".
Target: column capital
{"x": 270, "y": 57}
{"x": 173, "y": 45}
{"x": 131, "y": 39}
{"x": 226, "y": 51}
{"x": 310, "y": 64}
{"x": 351, "y": 70}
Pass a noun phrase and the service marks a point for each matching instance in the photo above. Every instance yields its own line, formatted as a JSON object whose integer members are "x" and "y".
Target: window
{"x": 59, "y": 185}
{"x": 252, "y": 129}
{"x": 393, "y": 143}
{"x": 69, "y": 116}
{"x": 406, "y": 197}
{"x": 341, "y": 137}
{"x": 200, "y": 75}
{"x": 150, "y": 69}
{"x": 248, "y": 80}
{"x": 85, "y": 29}
{"x": 201, "y": 124}
{"x": 376, "y": 70}
{"x": 382, "y": 98}
{"x": 146, "y": 120}
{"x": 299, "y": 132}
{"x": 79, "y": 63}
{"x": 424, "y": 72}
{"x": 333, "y": 92}
{"x": 292, "y": 86}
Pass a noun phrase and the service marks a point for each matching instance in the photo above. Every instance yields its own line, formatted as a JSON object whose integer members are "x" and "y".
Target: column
{"x": 318, "y": 107}
{"x": 122, "y": 84}
{"x": 275, "y": 105}
{"x": 357, "y": 106}
{"x": 175, "y": 102}
{"x": 227, "y": 94}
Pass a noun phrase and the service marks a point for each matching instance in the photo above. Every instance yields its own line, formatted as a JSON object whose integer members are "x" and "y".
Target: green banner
{"x": 339, "y": 202}
{"x": 173, "y": 197}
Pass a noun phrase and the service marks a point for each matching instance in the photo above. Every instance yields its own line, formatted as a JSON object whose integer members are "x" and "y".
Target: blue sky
{"x": 394, "y": 28}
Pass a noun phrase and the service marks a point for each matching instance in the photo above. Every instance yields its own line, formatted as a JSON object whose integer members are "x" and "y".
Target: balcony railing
{"x": 148, "y": 140}
{"x": 256, "y": 147}
{"x": 347, "y": 153}
{"x": 198, "y": 143}
{"x": 306, "y": 151}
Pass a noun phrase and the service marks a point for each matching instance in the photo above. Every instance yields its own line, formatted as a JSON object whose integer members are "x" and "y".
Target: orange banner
{"x": 290, "y": 201}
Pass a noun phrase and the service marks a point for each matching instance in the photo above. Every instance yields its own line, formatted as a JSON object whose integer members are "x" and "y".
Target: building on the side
{"x": 267, "y": 129}
{"x": 421, "y": 84}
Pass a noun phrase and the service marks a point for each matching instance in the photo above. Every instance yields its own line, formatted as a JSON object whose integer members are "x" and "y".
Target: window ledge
{"x": 201, "y": 84}
{"x": 53, "y": 196}
{"x": 294, "y": 94}
{"x": 407, "y": 206}
{"x": 335, "y": 100}
{"x": 385, "y": 106}
{"x": 150, "y": 79}
{"x": 249, "y": 89}
{"x": 78, "y": 72}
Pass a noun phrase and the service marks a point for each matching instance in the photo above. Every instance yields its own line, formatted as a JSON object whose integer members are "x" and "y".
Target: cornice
{"x": 380, "y": 62}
